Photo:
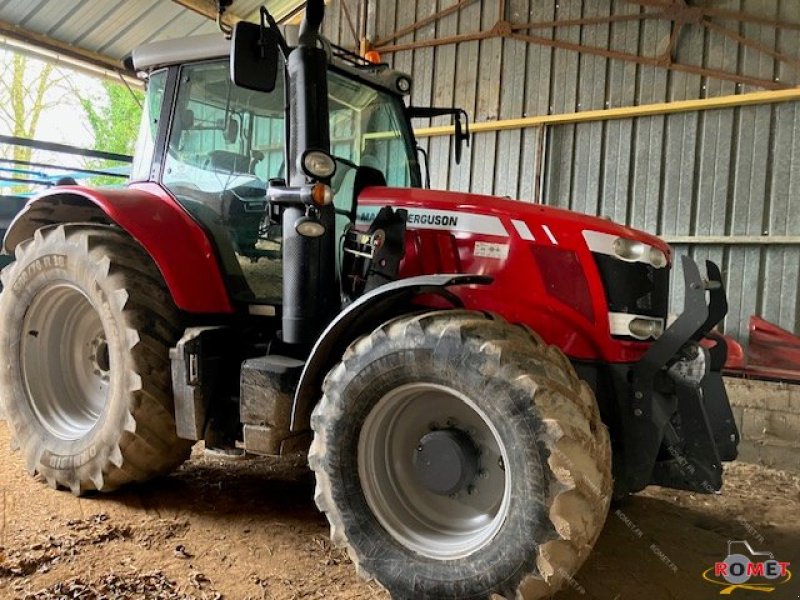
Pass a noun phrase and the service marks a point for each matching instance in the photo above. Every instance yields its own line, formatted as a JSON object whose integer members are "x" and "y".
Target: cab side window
{"x": 148, "y": 129}
{"x": 225, "y": 143}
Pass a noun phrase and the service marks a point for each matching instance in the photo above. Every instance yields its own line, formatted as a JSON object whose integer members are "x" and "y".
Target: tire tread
{"x": 577, "y": 441}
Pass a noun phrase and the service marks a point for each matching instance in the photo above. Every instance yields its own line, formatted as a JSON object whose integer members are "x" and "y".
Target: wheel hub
{"x": 439, "y": 491}
{"x": 99, "y": 357}
{"x": 65, "y": 360}
{"x": 446, "y": 461}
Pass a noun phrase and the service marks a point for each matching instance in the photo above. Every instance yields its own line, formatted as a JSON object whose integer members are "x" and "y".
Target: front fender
{"x": 176, "y": 243}
{"x": 362, "y": 316}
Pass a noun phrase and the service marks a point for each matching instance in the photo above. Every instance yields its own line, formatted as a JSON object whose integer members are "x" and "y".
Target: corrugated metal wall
{"x": 723, "y": 172}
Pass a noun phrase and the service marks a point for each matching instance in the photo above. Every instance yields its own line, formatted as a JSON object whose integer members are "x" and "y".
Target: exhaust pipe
{"x": 310, "y": 292}
{"x": 312, "y": 22}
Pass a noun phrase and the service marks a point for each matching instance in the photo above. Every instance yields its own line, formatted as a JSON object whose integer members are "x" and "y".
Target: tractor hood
{"x": 494, "y": 217}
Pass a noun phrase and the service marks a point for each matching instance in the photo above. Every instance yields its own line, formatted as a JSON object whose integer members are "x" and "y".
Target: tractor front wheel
{"x": 86, "y": 324}
{"x": 457, "y": 456}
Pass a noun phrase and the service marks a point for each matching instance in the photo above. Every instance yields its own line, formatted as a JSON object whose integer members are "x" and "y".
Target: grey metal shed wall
{"x": 723, "y": 172}
{"x": 732, "y": 172}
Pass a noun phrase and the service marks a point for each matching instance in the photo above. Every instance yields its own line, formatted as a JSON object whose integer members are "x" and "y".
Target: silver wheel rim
{"x": 440, "y": 527}
{"x": 65, "y": 361}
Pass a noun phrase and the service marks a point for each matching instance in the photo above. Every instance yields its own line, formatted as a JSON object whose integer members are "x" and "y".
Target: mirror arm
{"x": 424, "y": 154}
{"x": 429, "y": 112}
{"x": 268, "y": 19}
{"x": 467, "y": 134}
{"x": 222, "y": 6}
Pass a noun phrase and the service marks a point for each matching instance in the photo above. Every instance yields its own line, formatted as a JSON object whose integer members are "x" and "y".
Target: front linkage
{"x": 676, "y": 422}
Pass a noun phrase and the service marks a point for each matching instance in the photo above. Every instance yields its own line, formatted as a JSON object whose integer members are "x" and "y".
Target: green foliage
{"x": 114, "y": 123}
{"x": 24, "y": 87}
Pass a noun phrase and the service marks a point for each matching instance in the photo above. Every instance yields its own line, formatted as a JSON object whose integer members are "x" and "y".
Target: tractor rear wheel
{"x": 457, "y": 456}
{"x": 86, "y": 323}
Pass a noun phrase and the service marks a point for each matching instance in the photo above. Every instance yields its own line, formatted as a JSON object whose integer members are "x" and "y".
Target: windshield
{"x": 226, "y": 143}
{"x": 369, "y": 128}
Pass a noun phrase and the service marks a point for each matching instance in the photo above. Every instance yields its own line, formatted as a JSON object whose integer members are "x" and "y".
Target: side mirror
{"x": 230, "y": 133}
{"x": 462, "y": 134}
{"x": 254, "y": 57}
{"x": 426, "y": 177}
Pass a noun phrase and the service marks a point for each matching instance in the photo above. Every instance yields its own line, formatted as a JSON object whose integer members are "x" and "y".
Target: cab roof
{"x": 154, "y": 55}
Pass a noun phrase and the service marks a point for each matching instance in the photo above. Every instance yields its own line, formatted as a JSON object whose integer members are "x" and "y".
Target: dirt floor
{"x": 250, "y": 530}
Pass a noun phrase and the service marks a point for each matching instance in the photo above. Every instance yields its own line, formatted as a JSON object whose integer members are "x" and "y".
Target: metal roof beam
{"x": 57, "y": 47}
{"x": 282, "y": 10}
{"x": 208, "y": 9}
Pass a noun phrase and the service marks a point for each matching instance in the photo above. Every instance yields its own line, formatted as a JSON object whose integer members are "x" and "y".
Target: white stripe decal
{"x": 523, "y": 230}
{"x": 445, "y": 220}
{"x": 550, "y": 234}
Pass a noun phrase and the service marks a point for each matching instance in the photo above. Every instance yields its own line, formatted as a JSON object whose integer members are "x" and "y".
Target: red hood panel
{"x": 559, "y": 222}
{"x": 543, "y": 272}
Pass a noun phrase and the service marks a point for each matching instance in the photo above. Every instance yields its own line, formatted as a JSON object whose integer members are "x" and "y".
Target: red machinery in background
{"x": 772, "y": 353}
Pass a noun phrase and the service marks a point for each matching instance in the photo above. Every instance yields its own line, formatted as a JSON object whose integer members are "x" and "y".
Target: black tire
{"x": 110, "y": 423}
{"x": 558, "y": 455}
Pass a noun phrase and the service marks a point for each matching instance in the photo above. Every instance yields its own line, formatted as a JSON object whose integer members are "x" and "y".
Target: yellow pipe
{"x": 729, "y": 240}
{"x": 624, "y": 112}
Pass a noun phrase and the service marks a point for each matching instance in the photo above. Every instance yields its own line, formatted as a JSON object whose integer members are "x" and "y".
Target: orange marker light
{"x": 321, "y": 194}
{"x": 373, "y": 56}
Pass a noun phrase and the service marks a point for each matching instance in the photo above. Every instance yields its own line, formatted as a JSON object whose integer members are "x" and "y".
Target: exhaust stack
{"x": 310, "y": 292}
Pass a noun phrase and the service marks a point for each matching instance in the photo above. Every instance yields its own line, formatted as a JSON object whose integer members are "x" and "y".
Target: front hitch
{"x": 677, "y": 423}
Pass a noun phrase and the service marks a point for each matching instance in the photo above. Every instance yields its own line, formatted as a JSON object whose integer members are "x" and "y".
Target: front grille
{"x": 634, "y": 287}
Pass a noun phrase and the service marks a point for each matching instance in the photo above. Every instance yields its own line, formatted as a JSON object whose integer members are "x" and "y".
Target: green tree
{"x": 114, "y": 122}
{"x": 25, "y": 84}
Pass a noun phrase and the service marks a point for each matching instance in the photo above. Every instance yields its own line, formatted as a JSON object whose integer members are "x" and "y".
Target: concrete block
{"x": 767, "y": 414}
{"x": 738, "y": 413}
{"x": 742, "y": 393}
{"x": 263, "y": 440}
{"x": 768, "y": 395}
{"x": 776, "y": 456}
{"x": 749, "y": 451}
{"x": 784, "y": 426}
{"x": 754, "y": 424}
{"x": 267, "y": 391}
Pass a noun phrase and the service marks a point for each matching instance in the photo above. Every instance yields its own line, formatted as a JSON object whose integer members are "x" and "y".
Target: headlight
{"x": 640, "y": 327}
{"x": 308, "y": 227}
{"x": 643, "y": 329}
{"x": 403, "y": 85}
{"x": 657, "y": 258}
{"x": 318, "y": 164}
{"x": 628, "y": 249}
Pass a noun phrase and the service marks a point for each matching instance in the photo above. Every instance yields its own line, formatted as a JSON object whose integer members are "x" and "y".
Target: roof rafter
{"x": 680, "y": 13}
{"x": 208, "y": 9}
{"x": 55, "y": 46}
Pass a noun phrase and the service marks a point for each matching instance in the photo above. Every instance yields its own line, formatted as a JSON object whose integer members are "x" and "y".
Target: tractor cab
{"x": 226, "y": 144}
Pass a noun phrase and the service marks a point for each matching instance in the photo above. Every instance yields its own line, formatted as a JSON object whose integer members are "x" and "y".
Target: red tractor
{"x": 476, "y": 377}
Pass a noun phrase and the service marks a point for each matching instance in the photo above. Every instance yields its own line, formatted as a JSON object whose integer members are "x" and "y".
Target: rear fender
{"x": 364, "y": 315}
{"x": 175, "y": 242}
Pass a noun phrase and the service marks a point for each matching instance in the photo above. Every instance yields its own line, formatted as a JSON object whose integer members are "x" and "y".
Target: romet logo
{"x": 738, "y": 572}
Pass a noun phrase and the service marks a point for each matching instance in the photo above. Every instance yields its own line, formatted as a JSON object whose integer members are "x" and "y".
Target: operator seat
{"x": 230, "y": 162}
